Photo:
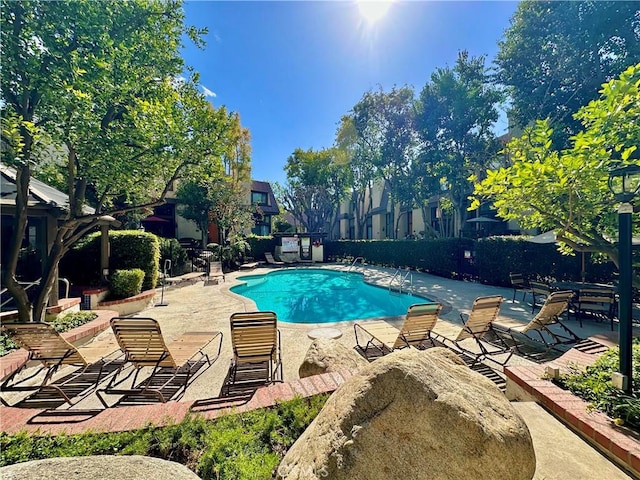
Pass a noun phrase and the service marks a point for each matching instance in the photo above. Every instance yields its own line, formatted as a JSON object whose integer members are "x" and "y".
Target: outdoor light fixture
{"x": 624, "y": 183}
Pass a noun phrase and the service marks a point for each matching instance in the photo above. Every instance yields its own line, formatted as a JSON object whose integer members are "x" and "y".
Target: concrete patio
{"x": 200, "y": 306}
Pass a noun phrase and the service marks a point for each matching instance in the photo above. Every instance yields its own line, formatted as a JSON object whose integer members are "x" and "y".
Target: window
{"x": 259, "y": 197}
{"x": 369, "y": 228}
{"x": 352, "y": 228}
{"x": 389, "y": 225}
{"x": 262, "y": 226}
{"x": 410, "y": 224}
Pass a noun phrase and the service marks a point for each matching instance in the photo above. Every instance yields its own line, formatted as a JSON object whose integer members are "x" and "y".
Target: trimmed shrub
{"x": 488, "y": 260}
{"x": 443, "y": 257}
{"x": 126, "y": 283}
{"x": 170, "y": 249}
{"x": 129, "y": 249}
{"x": 259, "y": 245}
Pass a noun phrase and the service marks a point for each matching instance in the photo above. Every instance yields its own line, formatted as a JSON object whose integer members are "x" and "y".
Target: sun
{"x": 373, "y": 10}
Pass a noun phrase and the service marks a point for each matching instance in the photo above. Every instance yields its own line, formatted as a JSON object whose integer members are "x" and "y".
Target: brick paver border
{"x": 618, "y": 443}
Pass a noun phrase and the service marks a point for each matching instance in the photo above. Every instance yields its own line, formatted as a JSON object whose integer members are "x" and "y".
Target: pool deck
{"x": 200, "y": 306}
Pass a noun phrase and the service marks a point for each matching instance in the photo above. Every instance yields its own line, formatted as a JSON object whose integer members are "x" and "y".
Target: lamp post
{"x": 624, "y": 182}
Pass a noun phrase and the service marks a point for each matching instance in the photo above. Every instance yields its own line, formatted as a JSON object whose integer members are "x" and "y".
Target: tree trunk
{"x": 23, "y": 175}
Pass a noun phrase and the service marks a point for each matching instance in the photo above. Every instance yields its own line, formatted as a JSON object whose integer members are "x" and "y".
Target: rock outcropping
{"x": 326, "y": 355}
{"x": 104, "y": 467}
{"x": 414, "y": 415}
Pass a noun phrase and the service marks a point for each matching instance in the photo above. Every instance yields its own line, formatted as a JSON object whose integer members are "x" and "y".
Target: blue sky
{"x": 292, "y": 69}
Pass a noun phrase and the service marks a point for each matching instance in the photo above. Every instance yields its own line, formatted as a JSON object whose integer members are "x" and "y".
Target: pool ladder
{"x": 353, "y": 264}
{"x": 403, "y": 280}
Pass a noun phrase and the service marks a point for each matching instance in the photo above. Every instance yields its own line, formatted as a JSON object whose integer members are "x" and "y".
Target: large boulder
{"x": 414, "y": 415}
{"x": 327, "y": 355}
{"x": 104, "y": 467}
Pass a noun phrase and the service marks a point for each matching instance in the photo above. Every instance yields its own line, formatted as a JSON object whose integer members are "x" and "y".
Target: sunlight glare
{"x": 374, "y": 10}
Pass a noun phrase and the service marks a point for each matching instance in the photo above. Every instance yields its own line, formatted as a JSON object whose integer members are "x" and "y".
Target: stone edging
{"x": 617, "y": 443}
{"x": 117, "y": 419}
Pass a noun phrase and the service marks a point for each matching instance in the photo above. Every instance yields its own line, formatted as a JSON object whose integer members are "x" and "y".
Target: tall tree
{"x": 384, "y": 122}
{"x": 456, "y": 111}
{"x": 354, "y": 153}
{"x": 315, "y": 187}
{"x": 101, "y": 80}
{"x": 566, "y": 190}
{"x": 555, "y": 55}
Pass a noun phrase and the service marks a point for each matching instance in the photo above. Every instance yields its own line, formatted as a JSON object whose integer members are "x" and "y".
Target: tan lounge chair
{"x": 384, "y": 337}
{"x": 272, "y": 261}
{"x": 538, "y": 328}
{"x": 479, "y": 326}
{"x": 144, "y": 346}
{"x": 215, "y": 271}
{"x": 46, "y": 345}
{"x": 255, "y": 339}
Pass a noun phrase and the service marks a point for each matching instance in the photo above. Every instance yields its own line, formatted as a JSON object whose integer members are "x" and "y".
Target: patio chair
{"x": 598, "y": 303}
{"x": 272, "y": 261}
{"x": 479, "y": 326}
{"x": 555, "y": 305}
{"x": 385, "y": 338}
{"x": 539, "y": 291}
{"x": 518, "y": 282}
{"x": 215, "y": 271}
{"x": 44, "y": 344}
{"x": 255, "y": 339}
{"x": 174, "y": 364}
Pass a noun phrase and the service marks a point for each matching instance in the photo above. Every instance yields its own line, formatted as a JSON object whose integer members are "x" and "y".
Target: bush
{"x": 170, "y": 249}
{"x": 491, "y": 261}
{"x": 126, "y": 283}
{"x": 246, "y": 446}
{"x": 594, "y": 385}
{"x": 261, "y": 244}
{"x": 129, "y": 249}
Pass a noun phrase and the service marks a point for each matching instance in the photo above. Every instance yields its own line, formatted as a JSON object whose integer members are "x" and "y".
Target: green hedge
{"x": 129, "y": 249}
{"x": 259, "y": 245}
{"x": 126, "y": 283}
{"x": 170, "y": 249}
{"x": 487, "y": 260}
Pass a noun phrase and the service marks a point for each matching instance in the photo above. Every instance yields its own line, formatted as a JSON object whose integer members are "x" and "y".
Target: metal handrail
{"x": 354, "y": 263}
{"x": 403, "y": 280}
{"x": 31, "y": 284}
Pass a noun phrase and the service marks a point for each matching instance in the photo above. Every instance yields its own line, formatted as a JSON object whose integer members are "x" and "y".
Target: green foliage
{"x": 493, "y": 258}
{"x": 126, "y": 283}
{"x": 62, "y": 323}
{"x": 259, "y": 245}
{"x": 280, "y": 225}
{"x": 555, "y": 55}
{"x": 496, "y": 257}
{"x": 171, "y": 249}
{"x": 129, "y": 249}
{"x": 69, "y": 321}
{"x": 566, "y": 190}
{"x": 594, "y": 385}
{"x": 316, "y": 183}
{"x": 100, "y": 79}
{"x": 441, "y": 257}
{"x": 455, "y": 114}
{"x": 245, "y": 446}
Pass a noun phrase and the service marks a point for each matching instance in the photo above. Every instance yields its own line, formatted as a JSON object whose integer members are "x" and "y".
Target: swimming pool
{"x": 321, "y": 296}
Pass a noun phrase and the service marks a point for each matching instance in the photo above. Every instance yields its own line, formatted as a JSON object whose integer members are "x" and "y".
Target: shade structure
{"x": 483, "y": 220}
{"x": 153, "y": 218}
{"x": 546, "y": 237}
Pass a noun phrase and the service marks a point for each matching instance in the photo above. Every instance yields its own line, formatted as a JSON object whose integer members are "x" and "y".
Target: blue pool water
{"x": 321, "y": 296}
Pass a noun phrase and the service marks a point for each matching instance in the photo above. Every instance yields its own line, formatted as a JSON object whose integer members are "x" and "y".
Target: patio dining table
{"x": 577, "y": 286}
